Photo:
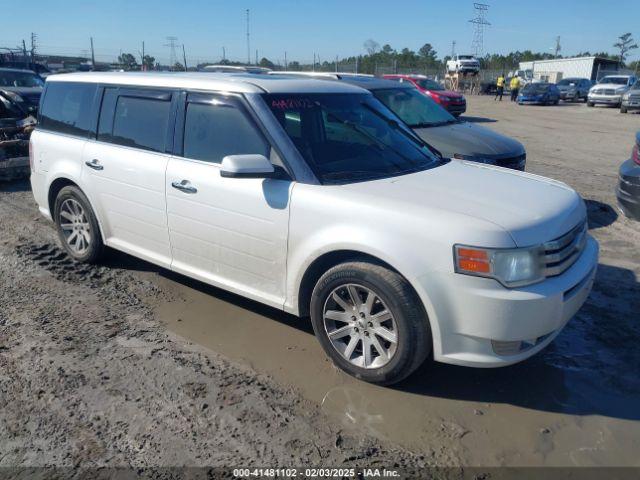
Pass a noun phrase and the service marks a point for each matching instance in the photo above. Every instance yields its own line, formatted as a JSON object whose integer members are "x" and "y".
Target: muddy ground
{"x": 126, "y": 364}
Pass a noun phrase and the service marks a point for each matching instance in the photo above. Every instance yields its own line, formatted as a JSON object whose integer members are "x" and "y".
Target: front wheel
{"x": 370, "y": 322}
{"x": 77, "y": 226}
{"x": 623, "y": 109}
{"x": 589, "y": 104}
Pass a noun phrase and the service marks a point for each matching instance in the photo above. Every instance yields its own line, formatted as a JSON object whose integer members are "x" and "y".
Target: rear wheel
{"x": 589, "y": 104}
{"x": 77, "y": 226}
{"x": 623, "y": 109}
{"x": 370, "y": 322}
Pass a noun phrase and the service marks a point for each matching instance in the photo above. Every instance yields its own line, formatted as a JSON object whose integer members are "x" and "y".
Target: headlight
{"x": 512, "y": 267}
{"x": 626, "y": 96}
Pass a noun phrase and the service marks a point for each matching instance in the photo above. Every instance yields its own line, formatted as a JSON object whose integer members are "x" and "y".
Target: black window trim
{"x": 133, "y": 91}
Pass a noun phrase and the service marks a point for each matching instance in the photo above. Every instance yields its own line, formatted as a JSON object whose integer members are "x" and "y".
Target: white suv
{"x": 310, "y": 196}
{"x": 610, "y": 89}
{"x": 463, "y": 64}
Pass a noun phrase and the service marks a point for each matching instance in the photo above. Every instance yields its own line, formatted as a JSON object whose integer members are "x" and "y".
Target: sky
{"x": 302, "y": 28}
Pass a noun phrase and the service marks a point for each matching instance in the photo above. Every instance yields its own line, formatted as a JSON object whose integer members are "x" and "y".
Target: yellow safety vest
{"x": 500, "y": 82}
{"x": 515, "y": 83}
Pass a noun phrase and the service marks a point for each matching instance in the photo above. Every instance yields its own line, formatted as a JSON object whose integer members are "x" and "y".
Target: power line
{"x": 480, "y": 21}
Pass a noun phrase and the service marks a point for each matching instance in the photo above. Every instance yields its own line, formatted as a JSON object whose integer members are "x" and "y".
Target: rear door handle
{"x": 184, "y": 186}
{"x": 95, "y": 164}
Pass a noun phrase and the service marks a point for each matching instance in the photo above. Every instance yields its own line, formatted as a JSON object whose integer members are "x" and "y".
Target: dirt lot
{"x": 129, "y": 365}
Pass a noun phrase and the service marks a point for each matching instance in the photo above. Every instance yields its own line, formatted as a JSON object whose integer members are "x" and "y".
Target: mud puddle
{"x": 572, "y": 405}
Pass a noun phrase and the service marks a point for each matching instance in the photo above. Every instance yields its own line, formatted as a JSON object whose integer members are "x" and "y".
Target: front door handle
{"x": 95, "y": 164}
{"x": 184, "y": 186}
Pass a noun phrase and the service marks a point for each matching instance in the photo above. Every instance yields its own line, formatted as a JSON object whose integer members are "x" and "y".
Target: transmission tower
{"x": 480, "y": 21}
{"x": 173, "y": 58}
{"x": 453, "y": 49}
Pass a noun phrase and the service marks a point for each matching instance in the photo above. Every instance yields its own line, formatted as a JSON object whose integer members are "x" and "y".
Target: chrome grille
{"x": 609, "y": 91}
{"x": 561, "y": 253}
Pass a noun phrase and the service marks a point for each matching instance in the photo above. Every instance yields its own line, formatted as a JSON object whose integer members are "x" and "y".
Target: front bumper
{"x": 483, "y": 324}
{"x": 456, "y": 108}
{"x": 569, "y": 95}
{"x": 605, "y": 99}
{"x": 631, "y": 104}
{"x": 628, "y": 189}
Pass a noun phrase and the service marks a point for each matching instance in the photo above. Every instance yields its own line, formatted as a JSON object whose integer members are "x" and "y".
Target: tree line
{"x": 426, "y": 58}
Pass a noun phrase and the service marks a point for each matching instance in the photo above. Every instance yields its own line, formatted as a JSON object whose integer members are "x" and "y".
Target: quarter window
{"x": 67, "y": 108}
{"x": 215, "y": 129}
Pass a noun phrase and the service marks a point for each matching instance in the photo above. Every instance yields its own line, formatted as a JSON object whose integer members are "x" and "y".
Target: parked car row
{"x": 314, "y": 197}
{"x": 621, "y": 91}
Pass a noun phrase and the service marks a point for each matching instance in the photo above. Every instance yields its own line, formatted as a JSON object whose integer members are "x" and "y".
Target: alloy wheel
{"x": 75, "y": 226}
{"x": 360, "y": 326}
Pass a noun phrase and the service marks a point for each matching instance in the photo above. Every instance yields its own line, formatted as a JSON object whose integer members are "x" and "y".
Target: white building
{"x": 555, "y": 70}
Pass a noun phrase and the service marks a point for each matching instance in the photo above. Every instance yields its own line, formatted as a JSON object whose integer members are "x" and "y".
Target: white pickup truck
{"x": 463, "y": 64}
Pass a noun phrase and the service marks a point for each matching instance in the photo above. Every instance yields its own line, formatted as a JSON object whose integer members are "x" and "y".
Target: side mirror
{"x": 246, "y": 166}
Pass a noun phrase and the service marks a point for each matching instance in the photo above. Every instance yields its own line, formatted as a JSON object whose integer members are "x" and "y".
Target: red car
{"x": 454, "y": 102}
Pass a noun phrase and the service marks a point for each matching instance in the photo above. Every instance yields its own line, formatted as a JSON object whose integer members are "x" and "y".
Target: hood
{"x": 615, "y": 86}
{"x": 532, "y": 209}
{"x": 466, "y": 138}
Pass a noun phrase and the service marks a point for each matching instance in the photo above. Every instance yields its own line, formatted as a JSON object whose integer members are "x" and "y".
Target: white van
{"x": 312, "y": 197}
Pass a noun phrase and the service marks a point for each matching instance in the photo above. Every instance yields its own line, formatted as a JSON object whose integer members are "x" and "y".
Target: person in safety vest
{"x": 514, "y": 85}
{"x": 500, "y": 87}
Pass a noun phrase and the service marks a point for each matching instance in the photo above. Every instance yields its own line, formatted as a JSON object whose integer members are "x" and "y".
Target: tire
{"x": 407, "y": 323}
{"x": 73, "y": 215}
{"x": 623, "y": 109}
{"x": 589, "y": 104}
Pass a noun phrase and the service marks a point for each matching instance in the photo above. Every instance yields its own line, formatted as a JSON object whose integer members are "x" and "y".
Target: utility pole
{"x": 34, "y": 37}
{"x": 93, "y": 55}
{"x": 558, "y": 46}
{"x": 248, "y": 41}
{"x": 184, "y": 57}
{"x": 256, "y": 56}
{"x": 314, "y": 62}
{"x": 336, "y": 63}
{"x": 453, "y": 49}
{"x": 286, "y": 65}
{"x": 142, "y": 67}
{"x": 24, "y": 54}
{"x": 357, "y": 64}
{"x": 224, "y": 55}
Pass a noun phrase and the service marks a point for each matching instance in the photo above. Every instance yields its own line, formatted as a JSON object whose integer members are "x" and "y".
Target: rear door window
{"x": 67, "y": 108}
{"x": 138, "y": 120}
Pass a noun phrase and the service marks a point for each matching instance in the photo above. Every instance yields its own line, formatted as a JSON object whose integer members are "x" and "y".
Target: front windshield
{"x": 535, "y": 89}
{"x": 19, "y": 79}
{"x": 427, "y": 84}
{"x": 615, "y": 80}
{"x": 349, "y": 137}
{"x": 414, "y": 108}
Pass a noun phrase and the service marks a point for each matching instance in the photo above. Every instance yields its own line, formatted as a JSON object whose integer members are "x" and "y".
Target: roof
{"x": 230, "y": 82}
{"x": 368, "y": 82}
